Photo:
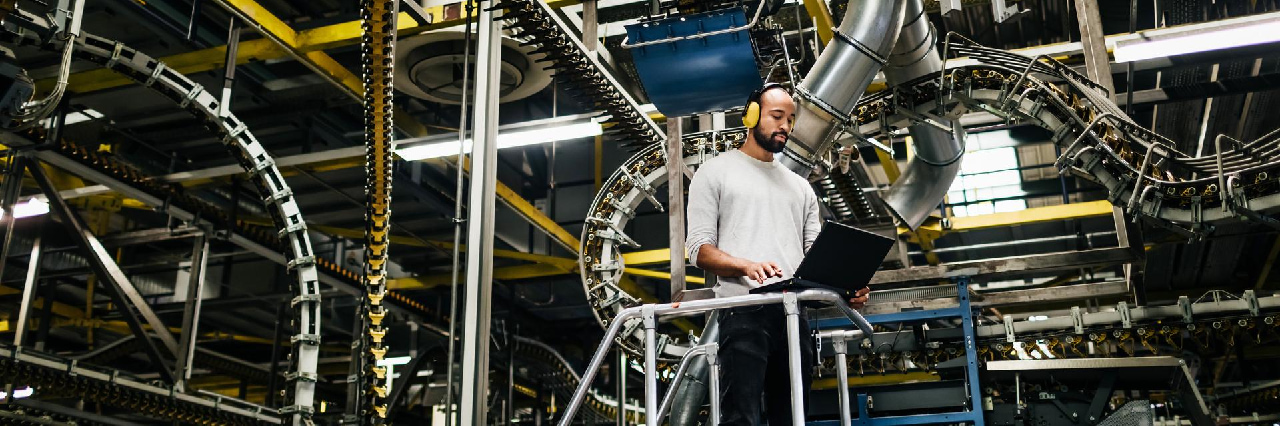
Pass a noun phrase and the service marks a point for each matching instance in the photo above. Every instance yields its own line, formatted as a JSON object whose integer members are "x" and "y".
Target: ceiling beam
{"x": 303, "y": 43}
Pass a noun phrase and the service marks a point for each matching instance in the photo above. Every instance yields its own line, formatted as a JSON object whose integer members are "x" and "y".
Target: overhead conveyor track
{"x": 110, "y": 388}
{"x": 536, "y": 24}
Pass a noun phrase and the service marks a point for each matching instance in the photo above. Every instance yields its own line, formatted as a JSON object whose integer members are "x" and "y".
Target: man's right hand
{"x": 760, "y": 271}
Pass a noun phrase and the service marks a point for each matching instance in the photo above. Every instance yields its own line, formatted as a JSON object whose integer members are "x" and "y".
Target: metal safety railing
{"x": 650, "y": 314}
{"x": 839, "y": 337}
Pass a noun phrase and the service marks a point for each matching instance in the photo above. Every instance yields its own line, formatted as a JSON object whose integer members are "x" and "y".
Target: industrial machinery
{"x": 951, "y": 343}
{"x": 1144, "y": 175}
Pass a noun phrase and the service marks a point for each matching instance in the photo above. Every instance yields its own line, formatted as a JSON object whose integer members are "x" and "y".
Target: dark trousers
{"x": 753, "y": 357}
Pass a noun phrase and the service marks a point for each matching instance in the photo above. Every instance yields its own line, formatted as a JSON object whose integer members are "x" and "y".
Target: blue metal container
{"x": 695, "y": 75}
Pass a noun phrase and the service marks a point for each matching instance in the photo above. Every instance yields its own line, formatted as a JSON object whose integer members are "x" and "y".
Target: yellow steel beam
{"x": 884, "y": 379}
{"x": 822, "y": 21}
{"x": 1027, "y": 216}
{"x": 663, "y": 275}
{"x": 889, "y": 164}
{"x": 647, "y": 257}
{"x": 288, "y": 39}
{"x": 519, "y": 272}
{"x": 933, "y": 228}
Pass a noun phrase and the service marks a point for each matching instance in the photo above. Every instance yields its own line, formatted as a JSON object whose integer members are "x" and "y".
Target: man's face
{"x": 777, "y": 113}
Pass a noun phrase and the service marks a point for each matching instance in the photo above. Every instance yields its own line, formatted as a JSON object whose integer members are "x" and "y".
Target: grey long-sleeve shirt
{"x": 754, "y": 210}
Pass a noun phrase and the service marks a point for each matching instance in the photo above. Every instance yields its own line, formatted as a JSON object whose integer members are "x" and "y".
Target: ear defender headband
{"x": 751, "y": 116}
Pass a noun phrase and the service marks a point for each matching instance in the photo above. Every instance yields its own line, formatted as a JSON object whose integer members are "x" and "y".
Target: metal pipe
{"x": 480, "y": 220}
{"x": 622, "y": 388}
{"x": 679, "y": 378}
{"x": 1222, "y": 178}
{"x": 842, "y": 376}
{"x": 650, "y": 365}
{"x": 457, "y": 219}
{"x": 713, "y": 359}
{"x": 589, "y": 375}
{"x": 926, "y": 180}
{"x": 838, "y": 78}
{"x": 689, "y": 394}
{"x": 792, "y": 308}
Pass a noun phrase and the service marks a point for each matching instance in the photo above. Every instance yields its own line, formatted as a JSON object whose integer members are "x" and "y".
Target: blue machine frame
{"x": 965, "y": 313}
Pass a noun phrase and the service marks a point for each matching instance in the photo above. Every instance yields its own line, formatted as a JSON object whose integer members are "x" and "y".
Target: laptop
{"x": 843, "y": 259}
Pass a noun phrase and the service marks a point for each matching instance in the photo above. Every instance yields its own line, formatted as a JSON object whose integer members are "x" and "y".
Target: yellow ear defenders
{"x": 751, "y": 116}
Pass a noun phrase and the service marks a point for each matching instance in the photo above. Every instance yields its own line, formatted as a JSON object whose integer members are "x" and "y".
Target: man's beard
{"x": 766, "y": 140}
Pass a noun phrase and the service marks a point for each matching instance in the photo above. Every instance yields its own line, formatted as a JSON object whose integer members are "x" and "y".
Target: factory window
{"x": 988, "y": 179}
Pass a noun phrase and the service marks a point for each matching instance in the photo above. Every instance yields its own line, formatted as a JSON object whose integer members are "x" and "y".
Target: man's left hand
{"x": 860, "y": 298}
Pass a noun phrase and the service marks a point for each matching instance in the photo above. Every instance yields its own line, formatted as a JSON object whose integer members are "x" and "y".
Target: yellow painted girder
{"x": 879, "y": 379}
{"x": 933, "y": 227}
{"x": 663, "y": 275}
{"x": 519, "y": 272}
{"x": 822, "y": 21}
{"x": 647, "y": 257}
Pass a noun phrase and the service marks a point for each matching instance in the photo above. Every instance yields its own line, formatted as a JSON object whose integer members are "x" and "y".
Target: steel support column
{"x": 675, "y": 206}
{"x": 134, "y": 308}
{"x": 479, "y": 290}
{"x": 1098, "y": 68}
{"x": 191, "y": 311}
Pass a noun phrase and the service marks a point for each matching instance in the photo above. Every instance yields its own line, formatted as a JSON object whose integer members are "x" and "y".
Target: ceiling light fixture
{"x": 507, "y": 138}
{"x": 33, "y": 207}
{"x": 1261, "y": 31}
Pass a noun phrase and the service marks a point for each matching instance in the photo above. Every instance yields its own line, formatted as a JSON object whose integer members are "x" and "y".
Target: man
{"x": 750, "y": 223}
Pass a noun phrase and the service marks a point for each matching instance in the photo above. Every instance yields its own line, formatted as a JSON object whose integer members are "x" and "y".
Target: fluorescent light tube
{"x": 511, "y": 139}
{"x": 1209, "y": 40}
{"x": 33, "y": 207}
{"x": 402, "y": 360}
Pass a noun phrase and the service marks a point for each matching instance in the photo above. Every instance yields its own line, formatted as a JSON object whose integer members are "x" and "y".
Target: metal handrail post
{"x": 713, "y": 355}
{"x": 655, "y": 311}
{"x": 650, "y": 365}
{"x": 841, "y": 346}
{"x": 791, "y": 305}
{"x": 590, "y": 374}
{"x": 675, "y": 382}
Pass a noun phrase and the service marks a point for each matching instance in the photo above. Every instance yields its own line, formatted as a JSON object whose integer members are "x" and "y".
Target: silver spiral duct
{"x": 897, "y": 37}
{"x": 860, "y": 48}
{"x": 937, "y": 149}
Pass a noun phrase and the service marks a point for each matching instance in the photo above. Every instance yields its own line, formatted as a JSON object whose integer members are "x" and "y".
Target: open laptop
{"x": 843, "y": 259}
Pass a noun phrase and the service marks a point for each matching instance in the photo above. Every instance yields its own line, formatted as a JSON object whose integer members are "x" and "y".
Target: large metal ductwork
{"x": 937, "y": 150}
{"x": 897, "y": 37}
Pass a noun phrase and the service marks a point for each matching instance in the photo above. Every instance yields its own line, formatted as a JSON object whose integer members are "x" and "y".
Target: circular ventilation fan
{"x": 430, "y": 67}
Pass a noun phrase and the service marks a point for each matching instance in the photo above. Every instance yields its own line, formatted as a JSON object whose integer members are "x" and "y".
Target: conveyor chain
{"x": 48, "y": 374}
{"x": 582, "y": 73}
{"x": 554, "y": 374}
{"x": 378, "y": 21}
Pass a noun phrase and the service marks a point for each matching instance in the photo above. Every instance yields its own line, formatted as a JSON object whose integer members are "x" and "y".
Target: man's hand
{"x": 860, "y": 298}
{"x": 760, "y": 271}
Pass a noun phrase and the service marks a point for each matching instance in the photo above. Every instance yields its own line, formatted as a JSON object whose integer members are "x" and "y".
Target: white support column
{"x": 479, "y": 291}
